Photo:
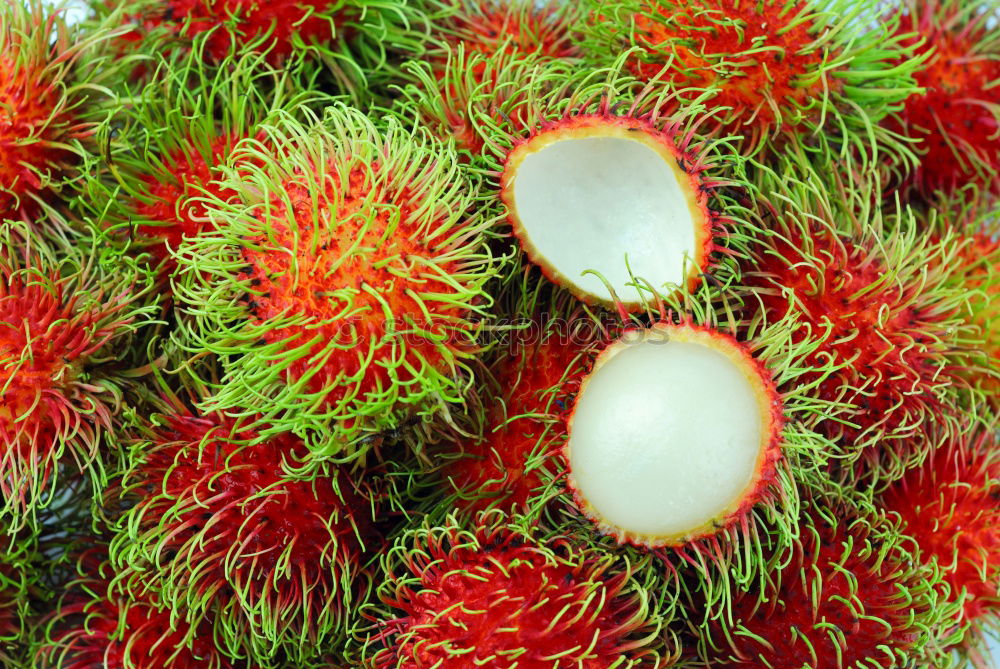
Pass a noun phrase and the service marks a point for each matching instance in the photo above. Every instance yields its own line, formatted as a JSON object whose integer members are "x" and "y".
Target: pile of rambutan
{"x": 499, "y": 334}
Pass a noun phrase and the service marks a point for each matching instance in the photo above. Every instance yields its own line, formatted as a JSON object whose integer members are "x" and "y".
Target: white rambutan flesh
{"x": 673, "y": 435}
{"x": 599, "y": 204}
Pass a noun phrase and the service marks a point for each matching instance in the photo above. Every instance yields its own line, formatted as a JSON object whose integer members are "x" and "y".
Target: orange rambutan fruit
{"x": 64, "y": 314}
{"x": 776, "y": 67}
{"x": 341, "y": 285}
{"x": 47, "y": 103}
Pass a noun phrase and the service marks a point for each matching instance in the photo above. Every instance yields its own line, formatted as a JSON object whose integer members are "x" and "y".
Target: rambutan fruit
{"x": 351, "y": 35}
{"x": 340, "y": 288}
{"x": 608, "y": 194}
{"x": 169, "y": 143}
{"x": 489, "y": 27}
{"x": 219, "y": 530}
{"x": 535, "y": 375}
{"x": 673, "y": 472}
{"x": 878, "y": 297}
{"x": 846, "y": 594}
{"x": 776, "y": 67}
{"x": 66, "y": 315}
{"x": 452, "y": 97}
{"x": 97, "y": 625}
{"x": 500, "y": 597}
{"x": 47, "y": 103}
{"x": 948, "y": 505}
{"x": 956, "y": 118}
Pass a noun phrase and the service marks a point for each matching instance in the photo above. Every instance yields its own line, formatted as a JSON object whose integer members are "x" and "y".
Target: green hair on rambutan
{"x": 514, "y": 27}
{"x": 450, "y": 97}
{"x": 847, "y": 593}
{"x": 354, "y": 39}
{"x": 52, "y": 97}
{"x": 878, "y": 298}
{"x": 342, "y": 285}
{"x": 19, "y": 577}
{"x": 497, "y": 594}
{"x": 67, "y": 314}
{"x": 775, "y": 68}
{"x": 601, "y": 185}
{"x": 163, "y": 150}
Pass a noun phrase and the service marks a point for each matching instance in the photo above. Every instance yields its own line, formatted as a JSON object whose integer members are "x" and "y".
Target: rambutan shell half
{"x": 600, "y": 201}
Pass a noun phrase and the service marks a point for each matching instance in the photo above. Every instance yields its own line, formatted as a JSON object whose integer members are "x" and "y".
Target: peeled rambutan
{"x": 957, "y": 116}
{"x": 949, "y": 506}
{"x": 846, "y": 594}
{"x": 672, "y": 471}
{"x": 65, "y": 315}
{"x": 536, "y": 375}
{"x": 877, "y": 297}
{"x": 46, "y": 103}
{"x": 340, "y": 288}
{"x": 97, "y": 625}
{"x": 218, "y": 527}
{"x": 498, "y": 597}
{"x": 777, "y": 67}
{"x": 614, "y": 199}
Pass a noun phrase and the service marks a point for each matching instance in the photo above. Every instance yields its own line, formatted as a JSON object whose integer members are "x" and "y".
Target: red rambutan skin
{"x": 827, "y": 582}
{"x": 169, "y": 210}
{"x": 884, "y": 335}
{"x": 45, "y": 341}
{"x": 980, "y": 262}
{"x": 496, "y": 595}
{"x": 28, "y": 136}
{"x": 229, "y": 508}
{"x": 242, "y": 22}
{"x": 949, "y": 505}
{"x": 492, "y": 26}
{"x": 707, "y": 33}
{"x": 97, "y": 627}
{"x": 382, "y": 255}
{"x": 958, "y": 117}
{"x": 537, "y": 381}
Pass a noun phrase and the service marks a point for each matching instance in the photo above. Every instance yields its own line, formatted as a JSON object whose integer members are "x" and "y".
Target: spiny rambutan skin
{"x": 949, "y": 506}
{"x": 524, "y": 423}
{"x": 780, "y": 66}
{"x": 496, "y": 597}
{"x": 845, "y": 596}
{"x": 40, "y": 113}
{"x": 169, "y": 214}
{"x": 219, "y": 525}
{"x": 878, "y": 297}
{"x": 512, "y": 27}
{"x": 59, "y": 321}
{"x": 346, "y": 277}
{"x": 957, "y": 117}
{"x": 96, "y": 625}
